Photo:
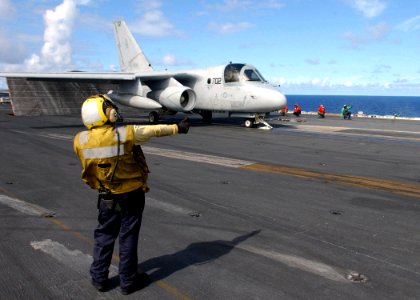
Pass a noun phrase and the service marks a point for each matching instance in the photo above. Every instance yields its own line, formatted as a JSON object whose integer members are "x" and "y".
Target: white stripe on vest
{"x": 102, "y": 152}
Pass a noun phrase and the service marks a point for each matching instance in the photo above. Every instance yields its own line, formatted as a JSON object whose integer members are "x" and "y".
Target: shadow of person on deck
{"x": 194, "y": 254}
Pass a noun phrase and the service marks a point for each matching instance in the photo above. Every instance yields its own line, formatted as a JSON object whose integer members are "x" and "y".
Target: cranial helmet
{"x": 94, "y": 111}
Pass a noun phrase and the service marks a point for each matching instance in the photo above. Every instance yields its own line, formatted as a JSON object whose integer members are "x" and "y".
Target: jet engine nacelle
{"x": 176, "y": 98}
{"x": 135, "y": 101}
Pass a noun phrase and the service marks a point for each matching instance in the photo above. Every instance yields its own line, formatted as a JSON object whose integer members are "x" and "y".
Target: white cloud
{"x": 373, "y": 33}
{"x": 354, "y": 41}
{"x": 355, "y": 85}
{"x": 324, "y": 82}
{"x": 56, "y": 52}
{"x": 6, "y": 9}
{"x": 231, "y": 5}
{"x": 114, "y": 68}
{"x": 378, "y": 31}
{"x": 412, "y": 24}
{"x": 228, "y": 28}
{"x": 172, "y": 60}
{"x": 378, "y": 69}
{"x": 153, "y": 22}
{"x": 369, "y": 8}
{"x": 316, "y": 81}
{"x": 169, "y": 60}
{"x": 313, "y": 61}
{"x": 348, "y": 83}
{"x": 59, "y": 24}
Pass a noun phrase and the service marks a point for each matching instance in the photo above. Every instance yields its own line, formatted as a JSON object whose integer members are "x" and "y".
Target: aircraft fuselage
{"x": 216, "y": 92}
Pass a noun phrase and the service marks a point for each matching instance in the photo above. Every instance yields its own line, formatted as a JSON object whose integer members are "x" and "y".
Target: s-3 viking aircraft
{"x": 236, "y": 88}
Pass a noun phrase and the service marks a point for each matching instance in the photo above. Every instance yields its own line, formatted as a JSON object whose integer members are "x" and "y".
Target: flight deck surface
{"x": 313, "y": 209}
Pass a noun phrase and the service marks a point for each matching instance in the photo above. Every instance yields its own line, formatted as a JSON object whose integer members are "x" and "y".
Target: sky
{"x": 313, "y": 47}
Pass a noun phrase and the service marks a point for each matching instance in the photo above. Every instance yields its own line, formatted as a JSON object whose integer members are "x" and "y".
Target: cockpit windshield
{"x": 233, "y": 73}
{"x": 253, "y": 75}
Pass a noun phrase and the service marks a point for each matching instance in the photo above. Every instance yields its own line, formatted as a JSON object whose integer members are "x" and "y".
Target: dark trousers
{"x": 123, "y": 220}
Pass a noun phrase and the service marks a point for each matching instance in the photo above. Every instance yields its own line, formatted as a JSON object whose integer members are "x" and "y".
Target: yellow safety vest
{"x": 98, "y": 149}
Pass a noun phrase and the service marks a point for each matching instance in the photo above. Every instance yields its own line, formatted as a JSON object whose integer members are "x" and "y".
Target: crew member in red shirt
{"x": 296, "y": 110}
{"x": 321, "y": 111}
{"x": 284, "y": 110}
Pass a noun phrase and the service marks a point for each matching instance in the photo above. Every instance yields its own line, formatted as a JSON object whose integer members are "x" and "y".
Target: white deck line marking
{"x": 168, "y": 207}
{"x": 322, "y": 128}
{"x": 190, "y": 156}
{"x": 74, "y": 259}
{"x": 196, "y": 157}
{"x": 303, "y": 264}
{"x": 24, "y": 207}
{"x": 63, "y": 137}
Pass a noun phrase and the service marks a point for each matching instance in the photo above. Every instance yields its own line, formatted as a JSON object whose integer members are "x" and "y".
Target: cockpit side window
{"x": 232, "y": 72}
{"x": 253, "y": 75}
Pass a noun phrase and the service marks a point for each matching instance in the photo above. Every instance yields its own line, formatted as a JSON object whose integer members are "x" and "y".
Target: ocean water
{"x": 369, "y": 105}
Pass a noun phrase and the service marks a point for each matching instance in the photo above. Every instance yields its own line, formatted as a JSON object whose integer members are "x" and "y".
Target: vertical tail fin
{"x": 131, "y": 56}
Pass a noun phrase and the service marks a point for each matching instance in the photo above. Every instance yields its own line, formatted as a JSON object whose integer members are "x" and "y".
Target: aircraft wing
{"x": 72, "y": 76}
{"x": 58, "y": 93}
{"x": 62, "y": 93}
{"x": 105, "y": 76}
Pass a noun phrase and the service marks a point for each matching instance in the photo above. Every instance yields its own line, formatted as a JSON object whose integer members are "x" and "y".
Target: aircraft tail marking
{"x": 131, "y": 57}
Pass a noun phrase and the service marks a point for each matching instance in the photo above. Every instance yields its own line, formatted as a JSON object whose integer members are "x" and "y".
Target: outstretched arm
{"x": 142, "y": 133}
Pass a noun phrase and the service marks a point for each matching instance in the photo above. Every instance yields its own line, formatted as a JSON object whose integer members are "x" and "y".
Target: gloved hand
{"x": 183, "y": 126}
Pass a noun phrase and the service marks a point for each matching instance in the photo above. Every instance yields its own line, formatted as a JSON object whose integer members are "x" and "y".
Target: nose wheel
{"x": 251, "y": 123}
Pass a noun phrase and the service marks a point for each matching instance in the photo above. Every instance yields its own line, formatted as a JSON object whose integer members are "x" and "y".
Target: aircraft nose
{"x": 266, "y": 98}
{"x": 277, "y": 99}
{"x": 282, "y": 101}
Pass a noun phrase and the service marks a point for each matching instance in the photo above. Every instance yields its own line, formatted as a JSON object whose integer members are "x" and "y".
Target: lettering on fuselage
{"x": 214, "y": 80}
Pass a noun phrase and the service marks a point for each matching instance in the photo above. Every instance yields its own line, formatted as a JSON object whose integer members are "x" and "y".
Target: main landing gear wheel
{"x": 153, "y": 117}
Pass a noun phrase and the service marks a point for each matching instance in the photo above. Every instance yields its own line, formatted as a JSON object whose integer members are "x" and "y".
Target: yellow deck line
{"x": 395, "y": 187}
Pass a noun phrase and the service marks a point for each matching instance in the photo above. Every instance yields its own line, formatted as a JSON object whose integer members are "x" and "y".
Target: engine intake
{"x": 177, "y": 98}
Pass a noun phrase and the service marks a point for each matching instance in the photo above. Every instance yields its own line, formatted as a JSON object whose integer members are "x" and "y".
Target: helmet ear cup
{"x": 113, "y": 115}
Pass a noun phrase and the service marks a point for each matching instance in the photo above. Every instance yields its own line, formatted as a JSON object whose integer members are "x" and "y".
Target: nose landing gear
{"x": 251, "y": 123}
